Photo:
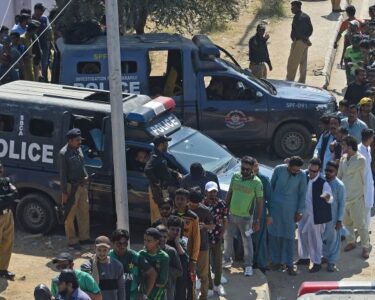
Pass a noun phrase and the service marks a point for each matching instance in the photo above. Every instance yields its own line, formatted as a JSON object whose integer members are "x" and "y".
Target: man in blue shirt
{"x": 353, "y": 124}
{"x": 69, "y": 287}
{"x": 331, "y": 235}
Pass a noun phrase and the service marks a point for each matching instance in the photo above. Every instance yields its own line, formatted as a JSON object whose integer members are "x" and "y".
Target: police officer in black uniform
{"x": 8, "y": 195}
{"x": 163, "y": 180}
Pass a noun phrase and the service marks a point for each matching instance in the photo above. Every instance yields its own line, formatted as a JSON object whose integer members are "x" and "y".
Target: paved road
{"x": 351, "y": 266}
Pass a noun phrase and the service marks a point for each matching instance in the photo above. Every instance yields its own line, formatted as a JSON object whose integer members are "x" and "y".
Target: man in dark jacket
{"x": 302, "y": 29}
{"x": 258, "y": 53}
{"x": 163, "y": 180}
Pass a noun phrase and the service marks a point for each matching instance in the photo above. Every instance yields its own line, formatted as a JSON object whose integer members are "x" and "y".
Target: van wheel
{"x": 36, "y": 213}
{"x": 292, "y": 139}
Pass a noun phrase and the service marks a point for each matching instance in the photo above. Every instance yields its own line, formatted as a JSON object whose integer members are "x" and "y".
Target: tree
{"x": 182, "y": 15}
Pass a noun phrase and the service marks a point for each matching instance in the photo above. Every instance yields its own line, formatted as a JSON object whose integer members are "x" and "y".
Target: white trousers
{"x": 310, "y": 244}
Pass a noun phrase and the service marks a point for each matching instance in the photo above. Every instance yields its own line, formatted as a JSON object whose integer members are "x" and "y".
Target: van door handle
{"x": 211, "y": 109}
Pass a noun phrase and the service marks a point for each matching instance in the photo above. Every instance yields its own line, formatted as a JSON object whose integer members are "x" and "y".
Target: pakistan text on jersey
{"x": 24, "y": 151}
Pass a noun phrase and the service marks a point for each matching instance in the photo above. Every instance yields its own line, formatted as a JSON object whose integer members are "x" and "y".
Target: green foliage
{"x": 181, "y": 15}
{"x": 272, "y": 8}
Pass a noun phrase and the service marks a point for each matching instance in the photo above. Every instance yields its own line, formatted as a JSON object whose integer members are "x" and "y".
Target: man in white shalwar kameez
{"x": 317, "y": 213}
{"x": 365, "y": 150}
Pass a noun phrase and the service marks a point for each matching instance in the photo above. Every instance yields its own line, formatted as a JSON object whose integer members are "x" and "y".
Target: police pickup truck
{"x": 213, "y": 94}
{"x": 34, "y": 118}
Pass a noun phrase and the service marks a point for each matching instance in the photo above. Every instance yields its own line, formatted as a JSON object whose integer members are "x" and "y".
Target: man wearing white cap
{"x": 219, "y": 212}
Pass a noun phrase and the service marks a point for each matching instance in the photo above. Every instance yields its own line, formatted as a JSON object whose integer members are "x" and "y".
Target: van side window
{"x": 164, "y": 68}
{"x": 6, "y": 123}
{"x": 42, "y": 128}
{"x": 128, "y": 67}
{"x": 88, "y": 67}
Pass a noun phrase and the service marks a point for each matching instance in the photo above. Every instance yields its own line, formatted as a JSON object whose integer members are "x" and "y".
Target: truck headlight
{"x": 322, "y": 107}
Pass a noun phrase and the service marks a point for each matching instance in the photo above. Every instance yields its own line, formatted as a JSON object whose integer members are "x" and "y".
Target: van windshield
{"x": 199, "y": 148}
{"x": 262, "y": 82}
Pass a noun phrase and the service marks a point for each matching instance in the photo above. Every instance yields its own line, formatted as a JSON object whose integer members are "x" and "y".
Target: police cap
{"x": 63, "y": 256}
{"x": 296, "y": 3}
{"x": 42, "y": 292}
{"x": 73, "y": 133}
{"x": 161, "y": 139}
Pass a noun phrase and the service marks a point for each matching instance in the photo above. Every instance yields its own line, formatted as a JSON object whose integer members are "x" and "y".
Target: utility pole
{"x": 117, "y": 114}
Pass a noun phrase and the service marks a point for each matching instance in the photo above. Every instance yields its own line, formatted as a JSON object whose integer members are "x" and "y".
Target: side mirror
{"x": 259, "y": 95}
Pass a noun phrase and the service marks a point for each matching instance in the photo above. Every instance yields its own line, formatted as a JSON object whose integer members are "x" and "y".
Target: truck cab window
{"x": 165, "y": 72}
{"x": 227, "y": 88}
{"x": 42, "y": 128}
{"x": 6, "y": 123}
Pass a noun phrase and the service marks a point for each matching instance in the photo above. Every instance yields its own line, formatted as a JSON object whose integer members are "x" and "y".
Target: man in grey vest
{"x": 317, "y": 213}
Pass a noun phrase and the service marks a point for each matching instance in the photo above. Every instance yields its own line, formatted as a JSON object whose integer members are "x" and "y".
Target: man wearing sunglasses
{"x": 86, "y": 282}
{"x": 317, "y": 213}
{"x": 288, "y": 185}
{"x": 245, "y": 191}
{"x": 331, "y": 235}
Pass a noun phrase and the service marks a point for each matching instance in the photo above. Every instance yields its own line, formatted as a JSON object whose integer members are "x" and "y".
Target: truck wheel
{"x": 36, "y": 213}
{"x": 292, "y": 139}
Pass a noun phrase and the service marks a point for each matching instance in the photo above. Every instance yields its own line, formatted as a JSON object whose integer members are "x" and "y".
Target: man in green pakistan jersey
{"x": 159, "y": 260}
{"x": 133, "y": 265}
{"x": 245, "y": 192}
{"x": 86, "y": 282}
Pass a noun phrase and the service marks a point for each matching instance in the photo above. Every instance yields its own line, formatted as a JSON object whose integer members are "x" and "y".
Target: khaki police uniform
{"x": 73, "y": 178}
{"x": 7, "y": 197}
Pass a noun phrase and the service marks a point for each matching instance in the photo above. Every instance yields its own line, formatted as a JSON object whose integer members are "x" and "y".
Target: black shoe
{"x": 87, "y": 242}
{"x": 7, "y": 275}
{"x": 303, "y": 262}
{"x": 291, "y": 271}
{"x": 315, "y": 268}
{"x": 330, "y": 268}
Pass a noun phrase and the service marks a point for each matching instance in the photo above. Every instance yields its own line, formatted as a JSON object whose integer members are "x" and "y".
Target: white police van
{"x": 34, "y": 118}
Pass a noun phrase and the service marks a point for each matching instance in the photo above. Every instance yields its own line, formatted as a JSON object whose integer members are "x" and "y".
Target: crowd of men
{"x": 25, "y": 48}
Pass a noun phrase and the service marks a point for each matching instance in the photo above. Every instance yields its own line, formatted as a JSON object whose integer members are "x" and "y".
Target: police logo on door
{"x": 235, "y": 119}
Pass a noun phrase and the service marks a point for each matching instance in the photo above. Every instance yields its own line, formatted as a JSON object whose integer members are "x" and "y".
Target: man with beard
{"x": 106, "y": 271}
{"x": 317, "y": 213}
{"x": 245, "y": 191}
{"x": 288, "y": 185}
{"x": 351, "y": 172}
{"x": 322, "y": 150}
{"x": 331, "y": 236}
{"x": 353, "y": 124}
{"x": 69, "y": 287}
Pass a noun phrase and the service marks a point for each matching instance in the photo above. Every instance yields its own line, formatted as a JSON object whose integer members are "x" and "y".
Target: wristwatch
{"x": 145, "y": 297}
